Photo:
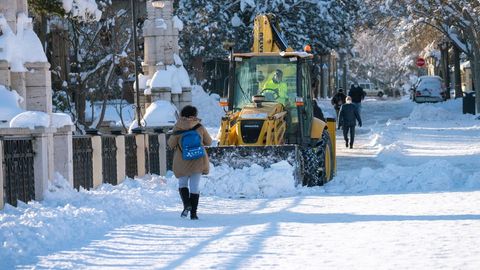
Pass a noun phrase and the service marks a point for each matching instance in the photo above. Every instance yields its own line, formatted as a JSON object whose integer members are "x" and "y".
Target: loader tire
{"x": 318, "y": 162}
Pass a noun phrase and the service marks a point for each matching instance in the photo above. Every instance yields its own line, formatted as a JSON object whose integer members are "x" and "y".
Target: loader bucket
{"x": 242, "y": 156}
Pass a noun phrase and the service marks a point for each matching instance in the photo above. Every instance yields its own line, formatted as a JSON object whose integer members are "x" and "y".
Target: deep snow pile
{"x": 435, "y": 148}
{"x": 208, "y": 108}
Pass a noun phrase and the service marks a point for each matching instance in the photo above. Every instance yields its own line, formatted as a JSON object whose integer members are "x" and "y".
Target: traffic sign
{"x": 420, "y": 62}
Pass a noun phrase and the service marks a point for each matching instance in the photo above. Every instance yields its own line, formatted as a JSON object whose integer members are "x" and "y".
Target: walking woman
{"x": 190, "y": 159}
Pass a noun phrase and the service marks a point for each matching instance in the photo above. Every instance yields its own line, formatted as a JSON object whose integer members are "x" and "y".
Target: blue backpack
{"x": 191, "y": 143}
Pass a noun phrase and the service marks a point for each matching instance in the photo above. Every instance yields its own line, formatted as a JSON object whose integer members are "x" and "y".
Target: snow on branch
{"x": 83, "y": 9}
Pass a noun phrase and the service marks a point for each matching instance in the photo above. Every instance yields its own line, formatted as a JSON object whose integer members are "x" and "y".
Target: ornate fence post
{"x": 120, "y": 143}
{"x": 63, "y": 152}
{"x": 97, "y": 161}
{"x": 2, "y": 180}
{"x": 140, "y": 139}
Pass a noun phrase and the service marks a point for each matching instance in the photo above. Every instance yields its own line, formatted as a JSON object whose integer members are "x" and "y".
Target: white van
{"x": 371, "y": 89}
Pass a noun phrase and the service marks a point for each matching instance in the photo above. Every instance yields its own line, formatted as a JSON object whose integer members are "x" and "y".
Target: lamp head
{"x": 158, "y": 4}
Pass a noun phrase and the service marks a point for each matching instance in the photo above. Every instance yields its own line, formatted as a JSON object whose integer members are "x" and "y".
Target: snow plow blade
{"x": 242, "y": 156}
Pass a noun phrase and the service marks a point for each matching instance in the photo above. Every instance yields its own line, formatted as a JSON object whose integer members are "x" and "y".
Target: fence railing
{"x": 19, "y": 170}
{"x": 91, "y": 160}
{"x": 130, "y": 156}
{"x": 82, "y": 162}
{"x": 109, "y": 160}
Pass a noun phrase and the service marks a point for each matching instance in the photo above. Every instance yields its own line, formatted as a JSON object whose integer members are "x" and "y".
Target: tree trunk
{"x": 445, "y": 69}
{"x": 80, "y": 99}
{"x": 102, "y": 113}
{"x": 458, "y": 77}
{"x": 475, "y": 65}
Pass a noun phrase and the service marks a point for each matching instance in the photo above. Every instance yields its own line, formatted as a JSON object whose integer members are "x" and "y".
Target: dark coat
{"x": 357, "y": 94}
{"x": 348, "y": 114}
{"x": 338, "y": 100}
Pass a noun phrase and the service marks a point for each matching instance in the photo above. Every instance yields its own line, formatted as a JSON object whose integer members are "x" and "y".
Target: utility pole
{"x": 135, "y": 55}
{"x": 444, "y": 47}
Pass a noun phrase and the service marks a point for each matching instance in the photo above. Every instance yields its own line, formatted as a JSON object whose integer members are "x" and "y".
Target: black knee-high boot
{"x": 194, "y": 203}
{"x": 185, "y": 195}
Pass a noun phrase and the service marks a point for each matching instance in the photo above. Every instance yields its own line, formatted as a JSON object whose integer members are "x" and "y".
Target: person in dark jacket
{"x": 338, "y": 100}
{"x": 188, "y": 172}
{"x": 347, "y": 119}
{"x": 357, "y": 94}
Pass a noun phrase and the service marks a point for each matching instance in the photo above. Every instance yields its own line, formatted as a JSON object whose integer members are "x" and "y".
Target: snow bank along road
{"x": 406, "y": 197}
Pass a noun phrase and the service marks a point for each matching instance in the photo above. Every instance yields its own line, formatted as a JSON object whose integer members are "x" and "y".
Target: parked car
{"x": 371, "y": 89}
{"x": 428, "y": 89}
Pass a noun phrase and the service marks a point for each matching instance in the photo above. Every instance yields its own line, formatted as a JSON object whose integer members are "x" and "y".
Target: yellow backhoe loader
{"x": 269, "y": 110}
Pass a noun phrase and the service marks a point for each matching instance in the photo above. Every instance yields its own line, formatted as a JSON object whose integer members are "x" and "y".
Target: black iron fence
{"x": 82, "y": 162}
{"x": 109, "y": 160}
{"x": 153, "y": 154}
{"x": 130, "y": 156}
{"x": 19, "y": 170}
{"x": 19, "y": 180}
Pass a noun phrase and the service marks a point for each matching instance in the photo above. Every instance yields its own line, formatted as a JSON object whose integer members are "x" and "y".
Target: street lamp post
{"x": 135, "y": 55}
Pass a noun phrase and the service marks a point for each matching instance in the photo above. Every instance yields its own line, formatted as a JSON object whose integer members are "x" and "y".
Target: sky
{"x": 407, "y": 196}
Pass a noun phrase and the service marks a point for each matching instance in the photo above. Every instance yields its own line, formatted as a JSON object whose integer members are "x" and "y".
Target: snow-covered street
{"x": 406, "y": 197}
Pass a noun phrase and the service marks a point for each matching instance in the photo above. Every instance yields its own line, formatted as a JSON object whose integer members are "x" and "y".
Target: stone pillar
{"x": 97, "y": 161}
{"x": 2, "y": 180}
{"x": 162, "y": 141}
{"x": 161, "y": 94}
{"x": 121, "y": 172}
{"x": 4, "y": 72}
{"x": 43, "y": 163}
{"x": 63, "y": 152}
{"x": 176, "y": 100}
{"x": 140, "y": 139}
{"x": 18, "y": 84}
{"x": 185, "y": 97}
{"x": 161, "y": 38}
{"x": 38, "y": 87}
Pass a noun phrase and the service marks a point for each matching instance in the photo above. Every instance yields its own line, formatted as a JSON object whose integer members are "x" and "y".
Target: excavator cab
{"x": 280, "y": 79}
{"x": 269, "y": 110}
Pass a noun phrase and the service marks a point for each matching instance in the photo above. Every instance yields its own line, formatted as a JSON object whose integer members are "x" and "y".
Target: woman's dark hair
{"x": 189, "y": 111}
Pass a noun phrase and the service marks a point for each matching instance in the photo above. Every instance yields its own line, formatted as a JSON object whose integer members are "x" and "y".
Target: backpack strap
{"x": 178, "y": 132}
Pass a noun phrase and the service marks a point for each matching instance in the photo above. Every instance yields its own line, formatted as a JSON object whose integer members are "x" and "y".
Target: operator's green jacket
{"x": 281, "y": 89}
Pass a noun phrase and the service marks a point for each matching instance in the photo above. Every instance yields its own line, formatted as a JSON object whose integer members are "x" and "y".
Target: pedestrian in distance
{"x": 357, "y": 94}
{"x": 347, "y": 119}
{"x": 338, "y": 100}
{"x": 190, "y": 159}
